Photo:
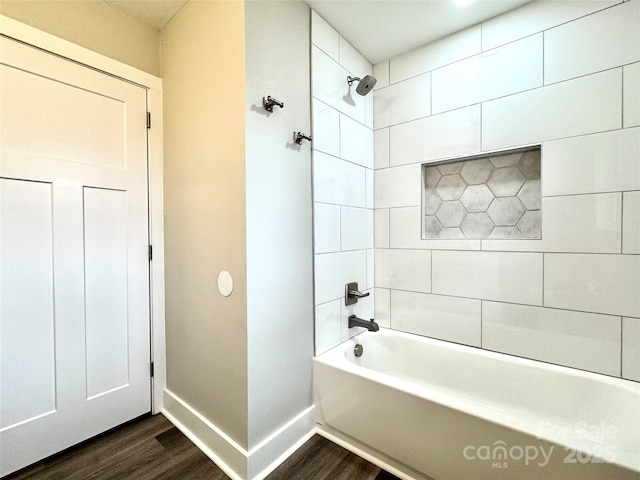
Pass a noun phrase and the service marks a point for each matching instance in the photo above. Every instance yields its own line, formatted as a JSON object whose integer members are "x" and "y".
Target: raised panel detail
{"x": 27, "y": 326}
{"x": 89, "y": 127}
{"x": 106, "y": 316}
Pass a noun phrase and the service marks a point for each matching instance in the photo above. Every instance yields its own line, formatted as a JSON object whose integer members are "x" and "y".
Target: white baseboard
{"x": 277, "y": 447}
{"x": 237, "y": 462}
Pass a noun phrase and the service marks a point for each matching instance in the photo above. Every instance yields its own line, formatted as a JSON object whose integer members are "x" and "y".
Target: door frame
{"x": 26, "y": 34}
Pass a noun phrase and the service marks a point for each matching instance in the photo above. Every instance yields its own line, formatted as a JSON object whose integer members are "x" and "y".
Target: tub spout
{"x": 370, "y": 325}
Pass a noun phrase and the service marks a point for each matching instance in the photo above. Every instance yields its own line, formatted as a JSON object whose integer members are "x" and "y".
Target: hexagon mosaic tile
{"x": 497, "y": 197}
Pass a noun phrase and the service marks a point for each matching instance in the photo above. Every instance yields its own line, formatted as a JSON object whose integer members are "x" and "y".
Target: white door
{"x": 74, "y": 271}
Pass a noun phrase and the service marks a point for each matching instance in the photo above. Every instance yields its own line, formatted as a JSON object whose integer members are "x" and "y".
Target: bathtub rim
{"x": 336, "y": 358}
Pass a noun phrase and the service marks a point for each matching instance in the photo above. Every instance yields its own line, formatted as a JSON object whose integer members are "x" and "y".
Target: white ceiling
{"x": 378, "y": 29}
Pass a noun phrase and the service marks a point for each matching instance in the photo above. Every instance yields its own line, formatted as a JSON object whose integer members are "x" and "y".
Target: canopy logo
{"x": 500, "y": 454}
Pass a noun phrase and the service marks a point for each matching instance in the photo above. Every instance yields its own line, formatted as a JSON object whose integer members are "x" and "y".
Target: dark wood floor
{"x": 151, "y": 448}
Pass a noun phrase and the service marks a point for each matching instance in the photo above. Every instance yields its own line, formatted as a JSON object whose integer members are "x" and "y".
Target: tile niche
{"x": 495, "y": 196}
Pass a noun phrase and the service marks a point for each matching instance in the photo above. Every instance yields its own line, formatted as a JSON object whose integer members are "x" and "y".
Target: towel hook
{"x": 299, "y": 136}
{"x": 269, "y": 102}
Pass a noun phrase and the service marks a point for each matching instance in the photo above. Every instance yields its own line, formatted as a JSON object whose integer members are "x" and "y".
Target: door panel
{"x": 27, "y": 378}
{"x": 74, "y": 314}
{"x": 106, "y": 322}
{"x": 77, "y": 135}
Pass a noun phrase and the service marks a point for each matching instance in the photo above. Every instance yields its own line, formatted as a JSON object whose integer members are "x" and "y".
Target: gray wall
{"x": 204, "y": 192}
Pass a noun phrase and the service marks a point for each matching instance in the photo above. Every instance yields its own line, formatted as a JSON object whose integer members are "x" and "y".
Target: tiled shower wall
{"x": 565, "y": 75}
{"x": 343, "y": 184}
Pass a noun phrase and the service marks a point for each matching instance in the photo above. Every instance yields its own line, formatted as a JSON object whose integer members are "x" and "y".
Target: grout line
{"x": 389, "y": 290}
{"x": 389, "y": 229}
{"x": 508, "y": 303}
{"x": 543, "y": 258}
{"x": 622, "y": 100}
{"x": 621, "y": 343}
{"x": 340, "y": 228}
{"x": 492, "y": 152}
{"x": 431, "y": 270}
{"x": 430, "y": 94}
{"x": 622, "y": 222}
{"x": 481, "y": 323}
{"x": 389, "y": 146}
{"x": 480, "y": 141}
{"x": 543, "y": 56}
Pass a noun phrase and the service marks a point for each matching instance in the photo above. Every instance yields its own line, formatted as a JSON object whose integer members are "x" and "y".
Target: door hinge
{"x": 148, "y": 119}
{"x": 150, "y": 253}
{"x": 151, "y": 369}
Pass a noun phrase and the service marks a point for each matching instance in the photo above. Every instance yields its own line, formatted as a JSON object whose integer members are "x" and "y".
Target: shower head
{"x": 365, "y": 84}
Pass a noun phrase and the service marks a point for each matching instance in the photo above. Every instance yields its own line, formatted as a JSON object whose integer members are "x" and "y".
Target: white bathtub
{"x": 433, "y": 409}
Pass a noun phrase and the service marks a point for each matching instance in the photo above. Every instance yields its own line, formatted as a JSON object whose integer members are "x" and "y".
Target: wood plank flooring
{"x": 151, "y": 448}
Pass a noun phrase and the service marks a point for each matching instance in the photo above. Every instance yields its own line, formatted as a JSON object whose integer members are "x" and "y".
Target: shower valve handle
{"x": 352, "y": 294}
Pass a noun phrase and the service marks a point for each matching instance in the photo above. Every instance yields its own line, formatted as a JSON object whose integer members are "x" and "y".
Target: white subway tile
{"x": 364, "y": 308}
{"x": 329, "y": 85}
{"x": 326, "y": 228}
{"x": 535, "y": 17}
{"x": 381, "y": 72}
{"x": 403, "y": 269}
{"x": 593, "y": 283}
{"x": 328, "y": 326}
{"x": 326, "y": 128}
{"x": 383, "y": 307}
{"x": 436, "y": 54}
{"x": 381, "y": 228}
{"x": 402, "y": 102}
{"x": 561, "y": 110}
{"x": 324, "y": 36}
{"x": 501, "y": 276}
{"x": 356, "y": 226}
{"x": 369, "y": 188}
{"x": 580, "y": 224}
{"x": 631, "y": 95}
{"x": 574, "y": 339}
{"x": 337, "y": 181}
{"x": 398, "y": 186}
{"x": 439, "y": 136}
{"x": 381, "y": 148}
{"x": 334, "y": 270}
{"x": 631, "y": 348}
{"x": 447, "y": 318}
{"x": 353, "y": 61}
{"x": 597, "y": 42}
{"x": 631, "y": 223}
{"x": 405, "y": 228}
{"x": 583, "y": 223}
{"x": 356, "y": 142}
{"x": 496, "y": 73}
{"x": 604, "y": 162}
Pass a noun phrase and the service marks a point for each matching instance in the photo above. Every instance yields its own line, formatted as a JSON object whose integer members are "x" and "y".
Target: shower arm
{"x": 351, "y": 79}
